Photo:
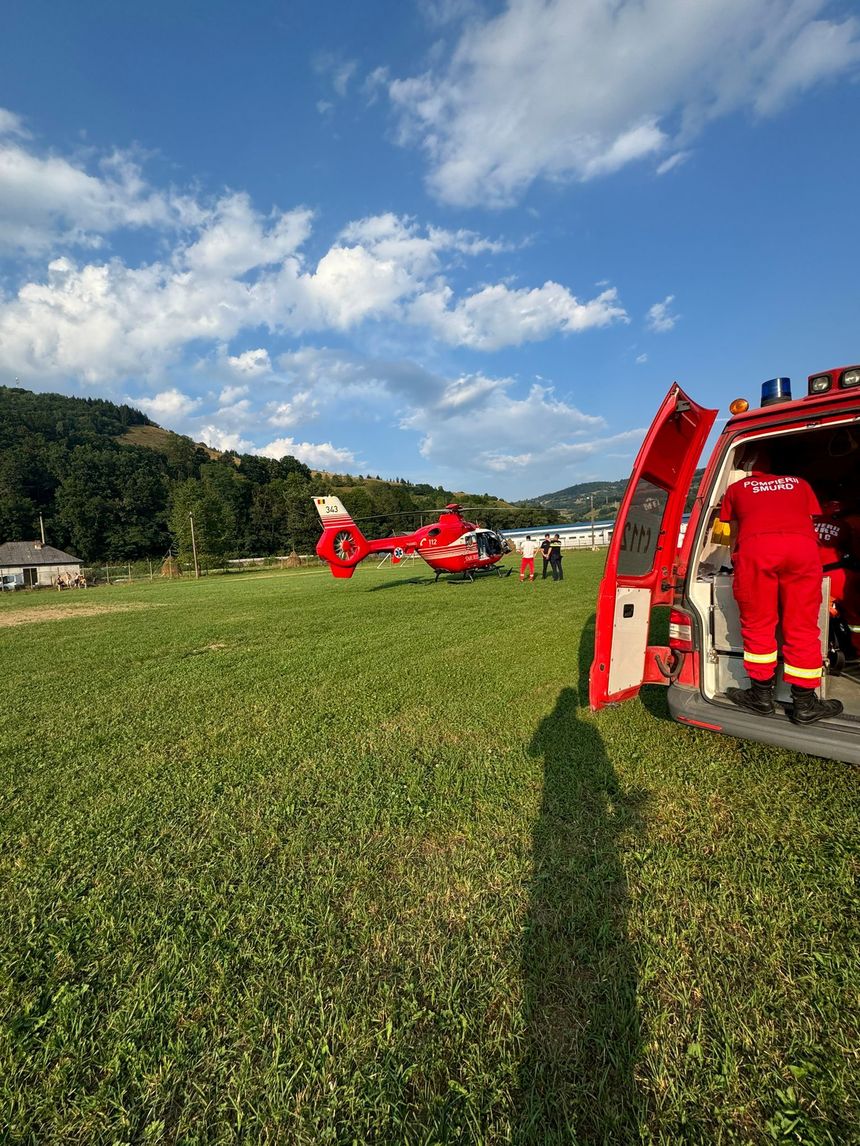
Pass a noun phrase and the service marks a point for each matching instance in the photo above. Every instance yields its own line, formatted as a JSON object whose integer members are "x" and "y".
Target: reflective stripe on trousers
{"x": 778, "y": 579}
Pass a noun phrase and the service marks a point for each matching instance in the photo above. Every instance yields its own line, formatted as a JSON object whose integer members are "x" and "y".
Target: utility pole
{"x": 42, "y": 527}
{"x": 194, "y": 547}
{"x": 591, "y": 499}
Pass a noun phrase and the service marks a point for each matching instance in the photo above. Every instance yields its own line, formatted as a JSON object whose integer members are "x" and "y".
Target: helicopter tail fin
{"x": 342, "y": 543}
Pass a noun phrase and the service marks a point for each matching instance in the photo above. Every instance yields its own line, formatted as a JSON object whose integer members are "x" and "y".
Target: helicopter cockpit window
{"x": 434, "y": 532}
{"x": 489, "y": 544}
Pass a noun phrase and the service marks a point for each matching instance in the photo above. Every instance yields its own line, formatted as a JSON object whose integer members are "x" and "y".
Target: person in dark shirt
{"x": 544, "y": 548}
{"x": 555, "y": 558}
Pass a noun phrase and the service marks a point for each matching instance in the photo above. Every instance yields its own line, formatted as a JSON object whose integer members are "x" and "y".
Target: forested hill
{"x": 576, "y": 501}
{"x": 111, "y": 485}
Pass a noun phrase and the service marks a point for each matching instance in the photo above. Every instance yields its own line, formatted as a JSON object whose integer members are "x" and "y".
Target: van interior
{"x": 828, "y": 457}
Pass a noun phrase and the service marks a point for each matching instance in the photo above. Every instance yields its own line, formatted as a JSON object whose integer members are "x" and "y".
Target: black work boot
{"x": 757, "y": 698}
{"x": 808, "y": 708}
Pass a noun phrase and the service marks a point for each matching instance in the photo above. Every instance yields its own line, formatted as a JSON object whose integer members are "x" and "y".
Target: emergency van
{"x": 650, "y": 563}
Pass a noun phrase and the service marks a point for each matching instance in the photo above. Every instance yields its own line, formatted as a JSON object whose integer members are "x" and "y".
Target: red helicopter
{"x": 450, "y": 545}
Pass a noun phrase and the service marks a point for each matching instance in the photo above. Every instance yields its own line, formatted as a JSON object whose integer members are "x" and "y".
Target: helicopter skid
{"x": 468, "y": 576}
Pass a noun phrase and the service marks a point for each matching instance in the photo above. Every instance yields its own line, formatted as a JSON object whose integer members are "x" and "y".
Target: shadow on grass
{"x": 655, "y": 697}
{"x": 655, "y": 700}
{"x": 445, "y": 579}
{"x": 400, "y": 583}
{"x": 576, "y": 1081}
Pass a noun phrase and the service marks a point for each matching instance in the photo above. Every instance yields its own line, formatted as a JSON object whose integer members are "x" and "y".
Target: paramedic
{"x": 777, "y": 578}
{"x": 528, "y": 548}
{"x": 834, "y": 545}
{"x": 851, "y": 593}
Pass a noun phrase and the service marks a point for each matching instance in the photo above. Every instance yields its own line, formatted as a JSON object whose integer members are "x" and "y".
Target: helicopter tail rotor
{"x": 342, "y": 543}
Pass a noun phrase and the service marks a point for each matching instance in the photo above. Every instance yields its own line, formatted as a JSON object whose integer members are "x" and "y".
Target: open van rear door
{"x": 642, "y": 552}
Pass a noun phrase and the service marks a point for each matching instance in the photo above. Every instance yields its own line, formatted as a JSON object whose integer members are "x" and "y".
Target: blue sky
{"x": 460, "y": 242}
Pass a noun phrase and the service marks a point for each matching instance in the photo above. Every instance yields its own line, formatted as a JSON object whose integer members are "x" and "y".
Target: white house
{"x": 35, "y": 565}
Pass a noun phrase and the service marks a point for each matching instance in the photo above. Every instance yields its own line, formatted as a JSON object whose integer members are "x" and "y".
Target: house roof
{"x": 34, "y": 553}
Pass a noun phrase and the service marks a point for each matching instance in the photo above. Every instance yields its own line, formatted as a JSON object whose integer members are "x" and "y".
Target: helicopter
{"x": 450, "y": 545}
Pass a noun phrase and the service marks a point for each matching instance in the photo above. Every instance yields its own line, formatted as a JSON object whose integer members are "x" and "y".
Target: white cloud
{"x": 498, "y": 316}
{"x": 529, "y": 432}
{"x": 230, "y": 394}
{"x": 223, "y": 440}
{"x": 171, "y": 404}
{"x": 236, "y": 239}
{"x": 304, "y": 406}
{"x": 11, "y": 124}
{"x": 559, "y": 457}
{"x": 580, "y": 88}
{"x": 336, "y": 70}
{"x": 820, "y": 48}
{"x": 47, "y": 200}
{"x": 675, "y": 160}
{"x": 251, "y": 362}
{"x": 317, "y": 455}
{"x": 226, "y": 268}
{"x": 660, "y": 319}
{"x": 472, "y": 424}
{"x": 641, "y": 359}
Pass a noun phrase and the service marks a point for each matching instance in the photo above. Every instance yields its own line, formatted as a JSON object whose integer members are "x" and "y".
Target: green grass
{"x": 288, "y": 860}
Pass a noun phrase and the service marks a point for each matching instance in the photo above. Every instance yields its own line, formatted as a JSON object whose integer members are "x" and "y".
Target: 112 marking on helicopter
{"x": 449, "y": 545}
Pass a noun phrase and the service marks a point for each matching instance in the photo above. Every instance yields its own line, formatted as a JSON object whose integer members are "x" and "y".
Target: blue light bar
{"x": 775, "y": 390}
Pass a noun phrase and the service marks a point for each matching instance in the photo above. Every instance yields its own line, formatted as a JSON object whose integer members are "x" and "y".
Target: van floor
{"x": 846, "y": 687}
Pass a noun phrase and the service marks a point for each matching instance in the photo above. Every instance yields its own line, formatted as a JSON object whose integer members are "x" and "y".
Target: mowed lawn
{"x": 292, "y": 860}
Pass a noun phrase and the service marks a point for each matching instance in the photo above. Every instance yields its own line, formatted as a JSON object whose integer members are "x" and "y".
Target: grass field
{"x": 288, "y": 860}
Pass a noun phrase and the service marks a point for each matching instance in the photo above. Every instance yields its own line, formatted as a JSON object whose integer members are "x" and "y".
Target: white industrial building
{"x": 582, "y": 535}
{"x": 32, "y": 564}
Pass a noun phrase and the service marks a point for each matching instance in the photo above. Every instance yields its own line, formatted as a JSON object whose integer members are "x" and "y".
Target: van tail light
{"x": 680, "y": 631}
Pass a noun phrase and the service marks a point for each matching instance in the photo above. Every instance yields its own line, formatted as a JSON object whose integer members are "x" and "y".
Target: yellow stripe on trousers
{"x": 760, "y": 658}
{"x": 804, "y": 674}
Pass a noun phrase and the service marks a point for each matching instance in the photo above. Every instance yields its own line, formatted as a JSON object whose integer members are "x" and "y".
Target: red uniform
{"x": 834, "y": 544}
{"x": 851, "y": 590}
{"x": 777, "y": 575}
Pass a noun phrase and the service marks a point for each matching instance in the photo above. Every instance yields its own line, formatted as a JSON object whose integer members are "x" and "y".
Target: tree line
{"x": 105, "y": 497}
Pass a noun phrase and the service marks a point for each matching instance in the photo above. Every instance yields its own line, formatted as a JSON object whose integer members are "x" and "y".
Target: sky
{"x": 454, "y": 241}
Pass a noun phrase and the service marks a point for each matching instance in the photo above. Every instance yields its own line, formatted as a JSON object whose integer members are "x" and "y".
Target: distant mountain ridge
{"x": 576, "y": 502}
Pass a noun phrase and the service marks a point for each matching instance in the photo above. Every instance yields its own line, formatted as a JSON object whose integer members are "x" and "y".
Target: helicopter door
{"x": 642, "y": 552}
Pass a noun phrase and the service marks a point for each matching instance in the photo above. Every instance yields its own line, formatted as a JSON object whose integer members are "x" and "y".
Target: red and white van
{"x": 648, "y": 564}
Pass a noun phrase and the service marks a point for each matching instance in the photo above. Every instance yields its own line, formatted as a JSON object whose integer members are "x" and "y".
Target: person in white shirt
{"x": 528, "y": 548}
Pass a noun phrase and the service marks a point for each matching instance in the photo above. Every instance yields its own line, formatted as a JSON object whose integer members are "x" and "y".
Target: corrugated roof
{"x": 26, "y": 553}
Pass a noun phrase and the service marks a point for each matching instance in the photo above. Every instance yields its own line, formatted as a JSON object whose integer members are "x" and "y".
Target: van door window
{"x": 642, "y": 529}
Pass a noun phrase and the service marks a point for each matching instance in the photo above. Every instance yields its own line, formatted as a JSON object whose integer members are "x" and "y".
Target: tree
{"x": 211, "y": 523}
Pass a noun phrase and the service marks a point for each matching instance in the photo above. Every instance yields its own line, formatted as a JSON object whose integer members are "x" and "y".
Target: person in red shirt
{"x": 849, "y": 601}
{"x": 777, "y": 578}
{"x": 834, "y": 545}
